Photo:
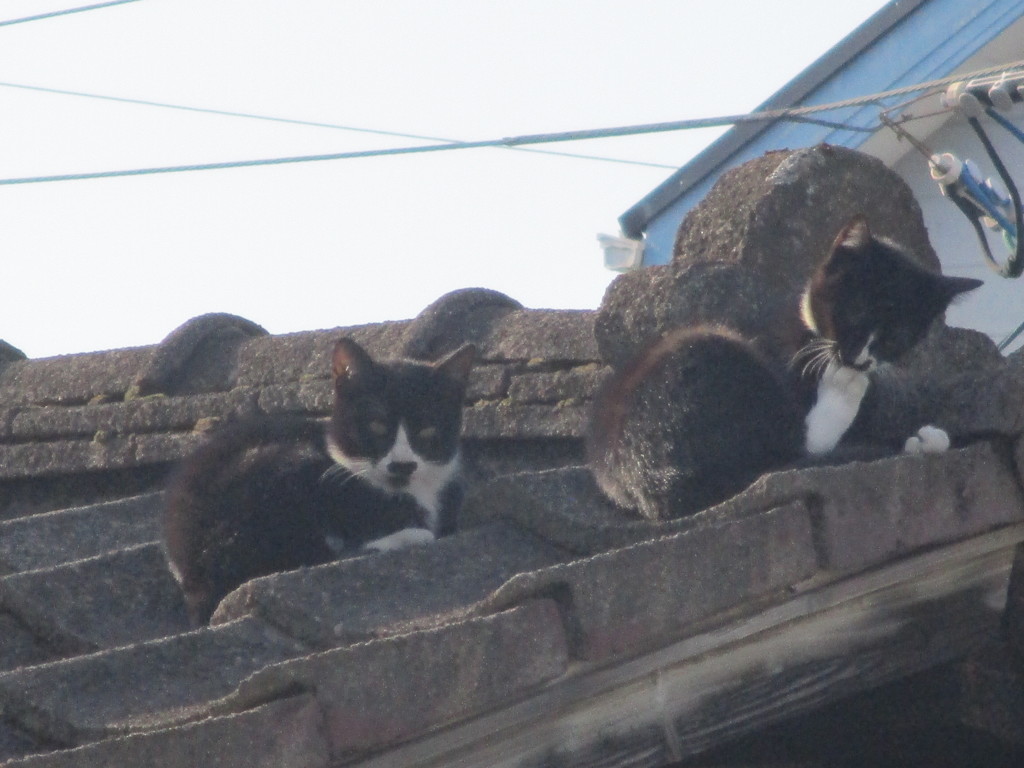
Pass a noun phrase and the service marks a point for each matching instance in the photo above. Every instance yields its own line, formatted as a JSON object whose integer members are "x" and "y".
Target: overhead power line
{"x": 65, "y": 12}
{"x": 788, "y": 113}
{"x": 311, "y": 123}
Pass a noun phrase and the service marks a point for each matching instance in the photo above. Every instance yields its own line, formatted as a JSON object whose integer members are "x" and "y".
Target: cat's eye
{"x": 378, "y": 428}
{"x": 427, "y": 433}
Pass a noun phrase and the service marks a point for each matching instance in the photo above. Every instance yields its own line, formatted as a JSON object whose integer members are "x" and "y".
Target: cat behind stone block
{"x": 692, "y": 420}
{"x": 278, "y": 493}
{"x": 701, "y": 412}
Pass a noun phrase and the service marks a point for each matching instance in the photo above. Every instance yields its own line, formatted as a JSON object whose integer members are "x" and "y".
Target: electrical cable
{"x": 1014, "y": 267}
{"x": 65, "y": 12}
{"x": 532, "y": 139}
{"x": 314, "y": 124}
{"x": 511, "y": 142}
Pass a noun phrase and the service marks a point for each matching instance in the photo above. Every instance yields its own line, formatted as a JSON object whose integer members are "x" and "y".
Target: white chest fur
{"x": 840, "y": 392}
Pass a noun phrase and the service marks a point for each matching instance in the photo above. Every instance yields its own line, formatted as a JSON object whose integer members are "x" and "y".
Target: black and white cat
{"x": 278, "y": 493}
{"x": 701, "y": 412}
{"x": 868, "y": 303}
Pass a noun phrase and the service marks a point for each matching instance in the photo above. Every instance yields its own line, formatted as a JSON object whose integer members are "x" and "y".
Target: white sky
{"x": 110, "y": 263}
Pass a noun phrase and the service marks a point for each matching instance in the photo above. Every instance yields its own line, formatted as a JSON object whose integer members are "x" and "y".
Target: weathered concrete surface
{"x": 388, "y": 691}
{"x": 147, "y": 415}
{"x": 54, "y": 538}
{"x": 549, "y": 336}
{"x": 287, "y": 733}
{"x": 106, "y": 454}
{"x": 863, "y": 512}
{"x": 644, "y": 596}
{"x": 300, "y": 357}
{"x": 524, "y": 422}
{"x": 458, "y": 317}
{"x": 868, "y": 513}
{"x": 389, "y": 593}
{"x": 142, "y": 687}
{"x": 102, "y": 602}
{"x": 564, "y": 506}
{"x": 72, "y": 379}
{"x": 20, "y": 646}
{"x": 9, "y": 353}
{"x": 198, "y": 356}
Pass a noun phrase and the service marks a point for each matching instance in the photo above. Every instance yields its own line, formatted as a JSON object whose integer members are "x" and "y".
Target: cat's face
{"x": 870, "y": 302}
{"x": 396, "y": 425}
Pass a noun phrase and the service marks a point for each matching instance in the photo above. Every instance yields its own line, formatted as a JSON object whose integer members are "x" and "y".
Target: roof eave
{"x": 634, "y": 221}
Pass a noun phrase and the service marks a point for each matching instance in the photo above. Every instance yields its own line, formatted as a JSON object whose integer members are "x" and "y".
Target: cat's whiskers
{"x": 815, "y": 357}
{"x": 825, "y": 357}
{"x": 331, "y": 474}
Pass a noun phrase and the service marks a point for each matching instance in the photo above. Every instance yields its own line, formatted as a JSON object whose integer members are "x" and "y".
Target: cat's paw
{"x": 928, "y": 439}
{"x": 407, "y": 537}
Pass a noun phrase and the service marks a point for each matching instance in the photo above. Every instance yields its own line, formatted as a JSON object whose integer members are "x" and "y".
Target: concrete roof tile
{"x": 563, "y": 506}
{"x": 28, "y": 543}
{"x": 72, "y": 379}
{"x": 102, "y": 453}
{"x": 14, "y": 742}
{"x": 548, "y": 335}
{"x": 198, "y": 356}
{"x": 389, "y": 593}
{"x": 20, "y": 646}
{"x": 287, "y": 733}
{"x": 305, "y": 397}
{"x": 868, "y": 513}
{"x": 488, "y": 382}
{"x": 298, "y": 356}
{"x": 146, "y": 415}
{"x": 141, "y": 687}
{"x": 462, "y": 316}
{"x": 629, "y": 600}
{"x": 101, "y": 602}
{"x": 508, "y": 421}
{"x": 385, "y": 691}
{"x": 546, "y": 578}
{"x": 575, "y": 385}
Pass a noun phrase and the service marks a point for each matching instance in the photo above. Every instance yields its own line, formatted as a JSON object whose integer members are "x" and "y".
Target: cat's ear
{"x": 458, "y": 364}
{"x": 854, "y": 235}
{"x": 349, "y": 360}
{"x": 954, "y": 286}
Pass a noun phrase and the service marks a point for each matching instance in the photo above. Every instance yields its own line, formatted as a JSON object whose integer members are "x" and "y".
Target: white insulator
{"x": 970, "y": 104}
{"x": 1001, "y": 96}
{"x": 945, "y": 168}
{"x": 951, "y": 98}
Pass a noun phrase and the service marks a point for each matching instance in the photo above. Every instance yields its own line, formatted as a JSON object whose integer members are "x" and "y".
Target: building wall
{"x": 997, "y": 308}
{"x": 937, "y": 37}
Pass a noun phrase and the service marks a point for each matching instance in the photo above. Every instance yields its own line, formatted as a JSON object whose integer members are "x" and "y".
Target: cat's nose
{"x": 401, "y": 470}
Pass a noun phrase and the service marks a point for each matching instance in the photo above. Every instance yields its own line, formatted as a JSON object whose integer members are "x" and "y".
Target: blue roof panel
{"x": 904, "y": 43}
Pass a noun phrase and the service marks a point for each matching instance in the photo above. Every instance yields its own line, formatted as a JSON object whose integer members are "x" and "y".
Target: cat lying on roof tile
{"x": 700, "y": 413}
{"x": 279, "y": 493}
